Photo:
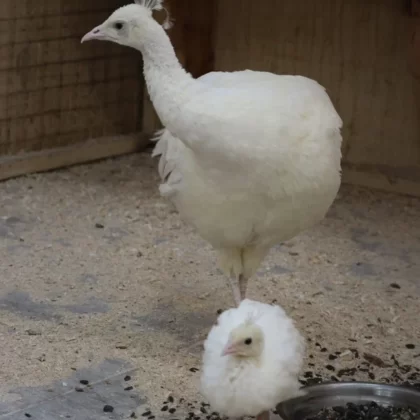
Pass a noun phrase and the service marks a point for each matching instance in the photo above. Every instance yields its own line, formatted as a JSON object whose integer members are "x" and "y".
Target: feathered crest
{"x": 157, "y": 5}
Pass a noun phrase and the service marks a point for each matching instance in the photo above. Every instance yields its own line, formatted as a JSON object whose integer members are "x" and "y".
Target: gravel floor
{"x": 97, "y": 268}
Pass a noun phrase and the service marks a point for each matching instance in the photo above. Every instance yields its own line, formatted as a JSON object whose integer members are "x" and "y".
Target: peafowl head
{"x": 246, "y": 340}
{"x": 130, "y": 25}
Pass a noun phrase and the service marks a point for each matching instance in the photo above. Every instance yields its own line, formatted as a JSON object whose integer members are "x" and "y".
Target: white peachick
{"x": 252, "y": 359}
{"x": 249, "y": 158}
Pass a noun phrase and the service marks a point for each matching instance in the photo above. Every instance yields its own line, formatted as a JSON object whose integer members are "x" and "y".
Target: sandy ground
{"x": 97, "y": 268}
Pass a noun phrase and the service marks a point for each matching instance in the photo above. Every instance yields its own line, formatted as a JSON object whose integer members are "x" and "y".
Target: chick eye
{"x": 248, "y": 341}
{"x": 118, "y": 26}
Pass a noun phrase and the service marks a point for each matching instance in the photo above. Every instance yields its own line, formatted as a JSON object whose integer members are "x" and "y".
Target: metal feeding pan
{"x": 340, "y": 393}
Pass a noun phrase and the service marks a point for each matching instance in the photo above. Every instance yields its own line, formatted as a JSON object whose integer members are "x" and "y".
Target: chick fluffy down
{"x": 237, "y": 387}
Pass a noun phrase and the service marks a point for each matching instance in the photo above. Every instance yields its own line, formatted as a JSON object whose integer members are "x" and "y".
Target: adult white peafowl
{"x": 249, "y": 158}
{"x": 252, "y": 360}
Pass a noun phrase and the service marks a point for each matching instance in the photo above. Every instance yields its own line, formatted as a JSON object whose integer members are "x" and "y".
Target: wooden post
{"x": 192, "y": 37}
{"x": 196, "y": 21}
{"x": 415, "y": 40}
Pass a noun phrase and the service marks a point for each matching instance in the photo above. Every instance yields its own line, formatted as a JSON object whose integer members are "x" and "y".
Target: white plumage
{"x": 250, "y": 159}
{"x": 239, "y": 385}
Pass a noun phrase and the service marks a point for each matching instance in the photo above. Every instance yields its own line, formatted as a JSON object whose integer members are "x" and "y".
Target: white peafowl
{"x": 252, "y": 360}
{"x": 249, "y": 158}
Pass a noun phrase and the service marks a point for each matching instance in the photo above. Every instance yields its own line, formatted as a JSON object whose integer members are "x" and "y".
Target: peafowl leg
{"x": 238, "y": 286}
{"x": 265, "y": 415}
{"x": 243, "y": 283}
{"x": 236, "y": 289}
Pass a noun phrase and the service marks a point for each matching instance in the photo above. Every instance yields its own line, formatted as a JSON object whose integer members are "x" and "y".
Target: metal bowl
{"x": 340, "y": 393}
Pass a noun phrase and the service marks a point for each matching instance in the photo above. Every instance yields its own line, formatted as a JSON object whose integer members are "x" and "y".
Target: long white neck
{"x": 168, "y": 84}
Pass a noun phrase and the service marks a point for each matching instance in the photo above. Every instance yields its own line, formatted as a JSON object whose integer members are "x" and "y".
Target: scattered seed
{"x": 375, "y": 360}
{"x": 410, "y": 346}
{"x": 121, "y": 346}
{"x": 193, "y": 369}
{"x": 27, "y": 415}
{"x": 99, "y": 226}
{"x": 108, "y": 408}
{"x": 33, "y": 332}
{"x": 330, "y": 367}
{"x": 370, "y": 411}
{"x": 146, "y": 413}
{"x": 164, "y": 408}
{"x": 128, "y": 388}
{"x": 127, "y": 378}
{"x": 133, "y": 415}
{"x": 172, "y": 410}
{"x": 171, "y": 399}
{"x": 78, "y": 389}
{"x": 84, "y": 382}
{"x": 395, "y": 286}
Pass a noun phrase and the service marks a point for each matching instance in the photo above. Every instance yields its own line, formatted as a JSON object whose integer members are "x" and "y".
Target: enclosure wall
{"x": 55, "y": 92}
{"x": 360, "y": 51}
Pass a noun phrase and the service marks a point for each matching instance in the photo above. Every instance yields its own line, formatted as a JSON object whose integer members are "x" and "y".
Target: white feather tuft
{"x": 157, "y": 5}
{"x": 168, "y": 22}
{"x": 150, "y": 4}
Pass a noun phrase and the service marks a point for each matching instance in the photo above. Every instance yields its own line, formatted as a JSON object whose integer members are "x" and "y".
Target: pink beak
{"x": 95, "y": 33}
{"x": 229, "y": 349}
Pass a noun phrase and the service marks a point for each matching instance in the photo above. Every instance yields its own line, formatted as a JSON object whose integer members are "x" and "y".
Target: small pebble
{"x": 99, "y": 226}
{"x": 193, "y": 369}
{"x": 27, "y": 415}
{"x": 172, "y": 410}
{"x": 108, "y": 408}
{"x": 330, "y": 367}
{"x": 127, "y": 378}
{"x": 164, "y": 408}
{"x": 171, "y": 399}
{"x": 146, "y": 413}
{"x": 395, "y": 286}
{"x": 128, "y": 388}
{"x": 84, "y": 382}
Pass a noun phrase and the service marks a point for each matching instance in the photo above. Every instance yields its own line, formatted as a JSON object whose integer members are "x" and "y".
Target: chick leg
{"x": 265, "y": 415}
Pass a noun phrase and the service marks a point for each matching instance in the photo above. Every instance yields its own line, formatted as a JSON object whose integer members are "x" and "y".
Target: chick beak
{"x": 229, "y": 349}
{"x": 96, "y": 33}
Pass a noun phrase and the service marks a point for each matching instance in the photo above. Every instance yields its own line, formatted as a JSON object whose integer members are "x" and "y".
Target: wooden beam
{"x": 380, "y": 180}
{"x": 91, "y": 150}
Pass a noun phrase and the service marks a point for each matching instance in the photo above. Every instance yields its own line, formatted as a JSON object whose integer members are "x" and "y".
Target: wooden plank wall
{"x": 360, "y": 51}
{"x": 55, "y": 92}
